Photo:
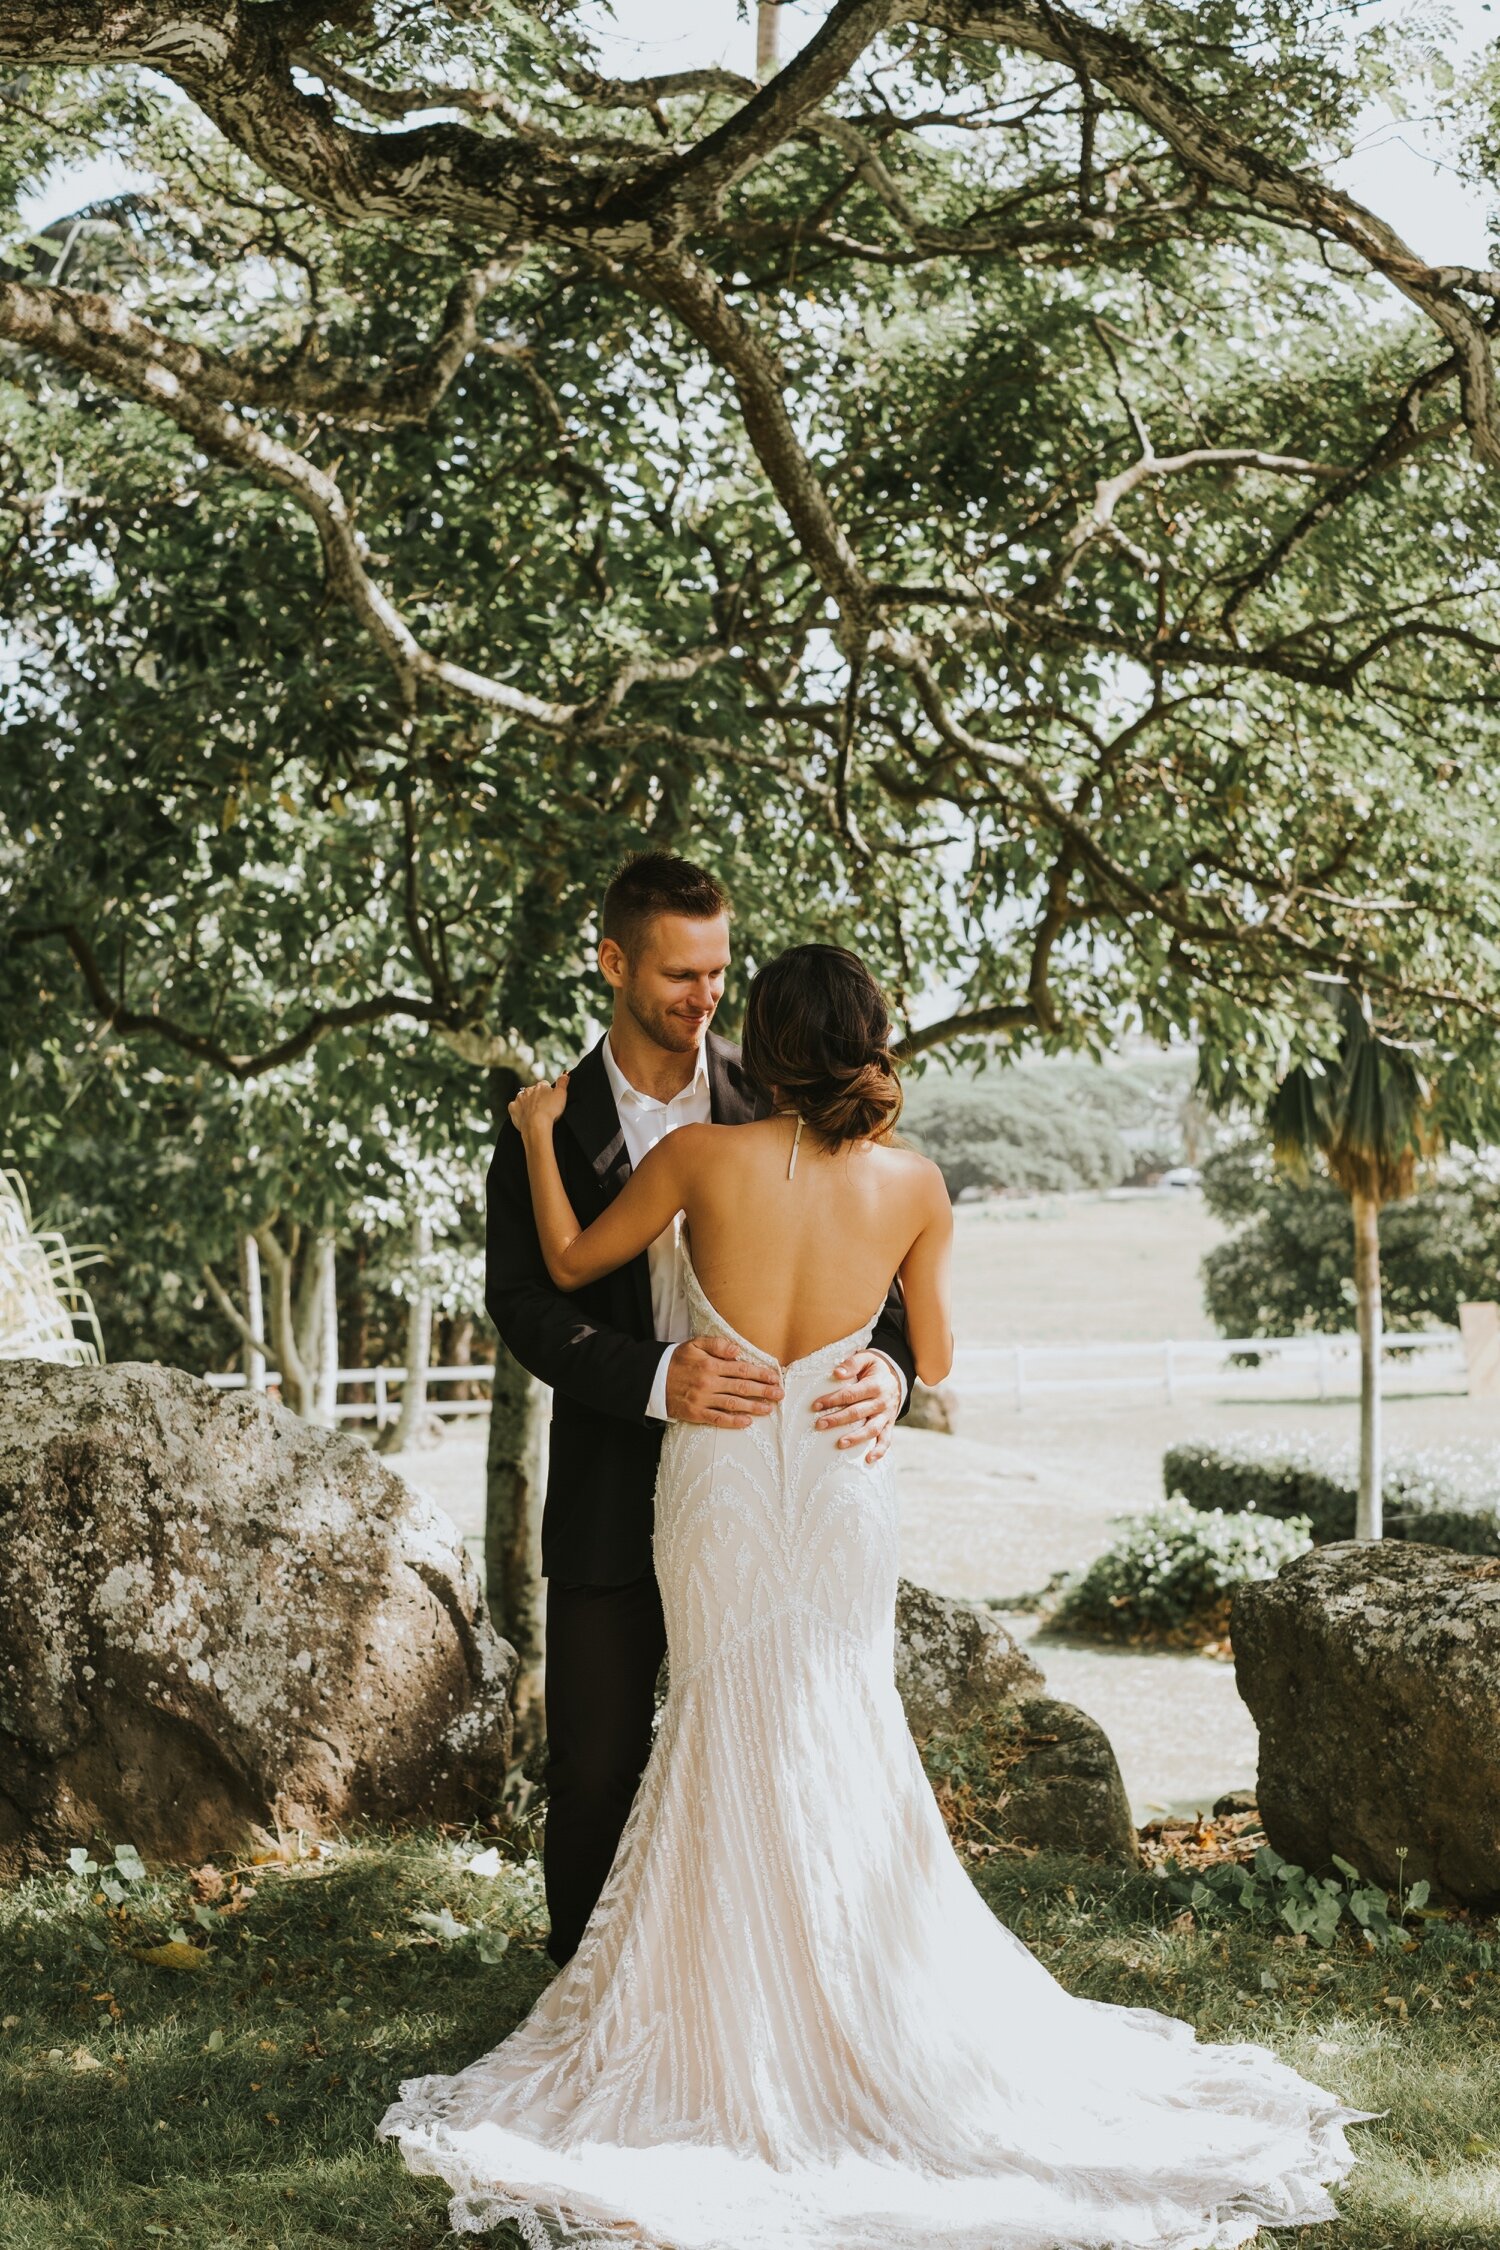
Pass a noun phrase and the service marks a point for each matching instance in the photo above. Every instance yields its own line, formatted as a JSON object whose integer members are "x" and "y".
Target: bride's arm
{"x": 926, "y": 1282}
{"x": 648, "y": 1202}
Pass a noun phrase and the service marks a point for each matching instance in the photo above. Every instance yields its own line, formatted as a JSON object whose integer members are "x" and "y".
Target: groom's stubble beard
{"x": 674, "y": 1032}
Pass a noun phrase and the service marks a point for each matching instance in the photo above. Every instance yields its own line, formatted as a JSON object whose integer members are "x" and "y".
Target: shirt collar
{"x": 623, "y": 1090}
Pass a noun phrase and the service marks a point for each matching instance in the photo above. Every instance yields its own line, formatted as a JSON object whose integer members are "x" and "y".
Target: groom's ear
{"x": 613, "y": 963}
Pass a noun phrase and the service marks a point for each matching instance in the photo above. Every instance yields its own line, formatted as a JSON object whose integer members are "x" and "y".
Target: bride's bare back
{"x": 796, "y": 1262}
{"x": 793, "y": 1257}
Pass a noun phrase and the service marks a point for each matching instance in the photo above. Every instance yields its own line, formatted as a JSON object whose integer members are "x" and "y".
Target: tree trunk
{"x": 285, "y": 1349}
{"x": 513, "y": 1530}
{"x": 767, "y": 39}
{"x": 325, "y": 1254}
{"x": 411, "y": 1424}
{"x": 253, "y": 1352}
{"x": 1369, "y": 1519}
{"x": 306, "y": 1342}
{"x": 458, "y": 1351}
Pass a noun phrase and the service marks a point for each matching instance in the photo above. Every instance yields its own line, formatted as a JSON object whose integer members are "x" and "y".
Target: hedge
{"x": 1443, "y": 1496}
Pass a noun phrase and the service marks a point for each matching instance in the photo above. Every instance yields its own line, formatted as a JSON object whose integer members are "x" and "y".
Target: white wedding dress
{"x": 792, "y": 2022}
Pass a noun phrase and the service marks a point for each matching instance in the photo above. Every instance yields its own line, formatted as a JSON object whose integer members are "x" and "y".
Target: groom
{"x": 619, "y": 1361}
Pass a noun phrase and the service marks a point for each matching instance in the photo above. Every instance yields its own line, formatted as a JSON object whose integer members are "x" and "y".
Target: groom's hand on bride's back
{"x": 864, "y": 1408}
{"x": 708, "y": 1380}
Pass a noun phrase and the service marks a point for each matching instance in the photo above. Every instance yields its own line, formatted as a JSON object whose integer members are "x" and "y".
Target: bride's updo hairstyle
{"x": 817, "y": 1036}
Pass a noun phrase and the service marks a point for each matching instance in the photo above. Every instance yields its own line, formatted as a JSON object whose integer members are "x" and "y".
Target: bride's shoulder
{"x": 912, "y": 1168}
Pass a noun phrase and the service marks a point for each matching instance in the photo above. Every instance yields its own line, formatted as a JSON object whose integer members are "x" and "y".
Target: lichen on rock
{"x": 213, "y": 1615}
{"x": 1009, "y": 1763}
{"x": 1372, "y": 1669}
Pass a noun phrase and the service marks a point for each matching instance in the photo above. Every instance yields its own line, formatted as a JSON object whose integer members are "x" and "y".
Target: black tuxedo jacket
{"x": 596, "y": 1346}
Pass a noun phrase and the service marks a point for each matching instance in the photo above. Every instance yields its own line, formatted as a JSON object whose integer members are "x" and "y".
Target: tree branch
{"x": 138, "y": 1023}
{"x": 1051, "y": 29}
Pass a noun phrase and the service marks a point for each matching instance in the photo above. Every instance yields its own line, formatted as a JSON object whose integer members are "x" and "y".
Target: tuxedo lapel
{"x": 594, "y": 1121}
{"x": 733, "y": 1097}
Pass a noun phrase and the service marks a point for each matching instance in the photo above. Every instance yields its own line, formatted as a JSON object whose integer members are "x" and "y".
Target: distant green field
{"x": 1056, "y": 1269}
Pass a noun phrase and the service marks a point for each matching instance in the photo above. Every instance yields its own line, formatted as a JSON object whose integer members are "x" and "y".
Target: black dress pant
{"x": 604, "y": 1650}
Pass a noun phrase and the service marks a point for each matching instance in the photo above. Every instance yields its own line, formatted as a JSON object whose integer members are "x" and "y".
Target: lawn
{"x": 234, "y": 2101}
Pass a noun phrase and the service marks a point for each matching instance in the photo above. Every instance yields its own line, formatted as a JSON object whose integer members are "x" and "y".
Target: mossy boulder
{"x": 214, "y": 1616}
{"x": 1372, "y": 1669}
{"x": 1010, "y": 1765}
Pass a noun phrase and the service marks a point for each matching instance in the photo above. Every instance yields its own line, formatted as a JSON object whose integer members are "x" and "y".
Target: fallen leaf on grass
{"x": 444, "y": 1924}
{"x": 83, "y": 2060}
{"x": 208, "y": 1880}
{"x": 172, "y": 1956}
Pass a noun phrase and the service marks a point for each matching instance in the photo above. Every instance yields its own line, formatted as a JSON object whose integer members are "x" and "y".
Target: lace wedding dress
{"x": 792, "y": 2022}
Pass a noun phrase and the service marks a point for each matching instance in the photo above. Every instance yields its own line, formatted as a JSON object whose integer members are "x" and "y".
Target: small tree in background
{"x": 1283, "y": 1269}
{"x": 1372, "y": 1105}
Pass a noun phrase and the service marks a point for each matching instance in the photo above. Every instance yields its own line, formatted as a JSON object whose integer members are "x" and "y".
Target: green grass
{"x": 236, "y": 2104}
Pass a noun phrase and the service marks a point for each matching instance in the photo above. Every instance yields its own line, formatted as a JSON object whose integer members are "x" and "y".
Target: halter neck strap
{"x": 796, "y": 1144}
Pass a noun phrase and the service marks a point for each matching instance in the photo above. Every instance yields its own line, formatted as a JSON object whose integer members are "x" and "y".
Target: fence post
{"x": 1322, "y": 1365}
{"x": 1171, "y": 1373}
{"x": 380, "y": 1396}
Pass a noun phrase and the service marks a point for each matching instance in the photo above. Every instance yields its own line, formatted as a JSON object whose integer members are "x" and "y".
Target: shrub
{"x": 1442, "y": 1495}
{"x": 1171, "y": 1573}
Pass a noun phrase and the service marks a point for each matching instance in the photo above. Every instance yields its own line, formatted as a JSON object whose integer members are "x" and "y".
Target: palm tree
{"x": 1368, "y": 1110}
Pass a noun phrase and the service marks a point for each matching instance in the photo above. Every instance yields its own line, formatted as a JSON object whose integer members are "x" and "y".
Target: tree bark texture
{"x": 1369, "y": 1516}
{"x": 515, "y": 1480}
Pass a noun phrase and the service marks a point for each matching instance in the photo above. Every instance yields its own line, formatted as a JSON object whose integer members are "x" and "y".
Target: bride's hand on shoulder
{"x": 536, "y": 1109}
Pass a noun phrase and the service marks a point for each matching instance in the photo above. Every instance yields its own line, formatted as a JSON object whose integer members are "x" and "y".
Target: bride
{"x": 792, "y": 2022}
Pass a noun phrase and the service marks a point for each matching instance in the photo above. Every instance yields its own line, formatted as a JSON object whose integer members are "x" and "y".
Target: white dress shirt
{"x": 644, "y": 1121}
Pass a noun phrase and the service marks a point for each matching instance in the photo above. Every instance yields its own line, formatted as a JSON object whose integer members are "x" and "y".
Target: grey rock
{"x": 1065, "y": 1792}
{"x": 213, "y": 1616}
{"x": 1052, "y": 1777}
{"x": 934, "y": 1406}
{"x": 954, "y": 1661}
{"x": 1372, "y": 1670}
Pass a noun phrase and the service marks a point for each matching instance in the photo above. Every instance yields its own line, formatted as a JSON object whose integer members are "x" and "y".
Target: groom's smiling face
{"x": 674, "y": 979}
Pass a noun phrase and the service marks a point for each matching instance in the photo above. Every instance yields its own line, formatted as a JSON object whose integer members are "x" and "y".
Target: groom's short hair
{"x": 653, "y": 883}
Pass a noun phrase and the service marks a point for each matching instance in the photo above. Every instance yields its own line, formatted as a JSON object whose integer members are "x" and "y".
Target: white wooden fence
{"x": 381, "y": 1381}
{"x": 1245, "y": 1366}
{"x": 1283, "y": 1367}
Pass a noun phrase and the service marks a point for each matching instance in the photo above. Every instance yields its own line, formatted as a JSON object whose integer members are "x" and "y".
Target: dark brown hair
{"x": 818, "y": 1033}
{"x": 653, "y": 883}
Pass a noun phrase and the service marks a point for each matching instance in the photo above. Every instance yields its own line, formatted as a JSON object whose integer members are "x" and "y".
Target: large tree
{"x": 984, "y": 489}
{"x": 987, "y": 471}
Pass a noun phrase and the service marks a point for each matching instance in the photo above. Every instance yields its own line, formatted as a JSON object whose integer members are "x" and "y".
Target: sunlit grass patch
{"x": 234, "y": 2103}
{"x": 1413, "y": 2031}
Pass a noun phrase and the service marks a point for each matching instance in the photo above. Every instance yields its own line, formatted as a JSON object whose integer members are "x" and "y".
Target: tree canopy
{"x": 985, "y": 489}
